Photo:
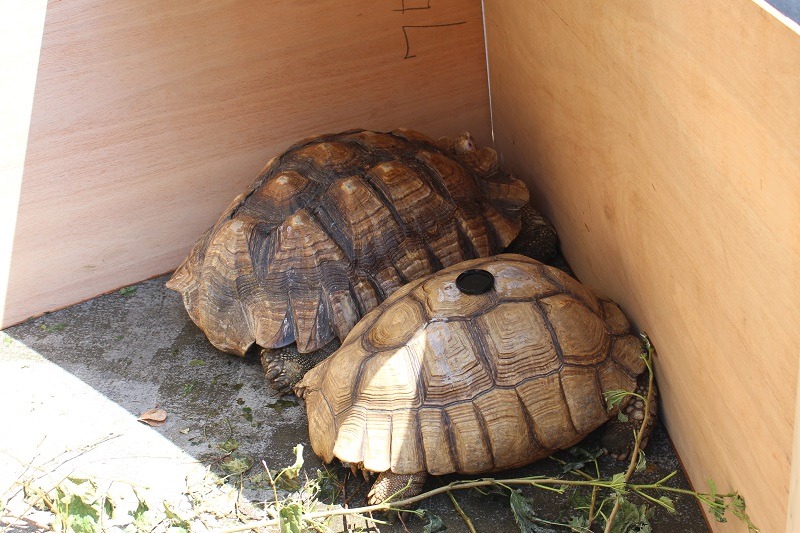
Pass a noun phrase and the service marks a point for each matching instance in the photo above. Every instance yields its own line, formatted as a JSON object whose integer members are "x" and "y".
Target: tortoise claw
{"x": 278, "y": 372}
{"x": 273, "y": 370}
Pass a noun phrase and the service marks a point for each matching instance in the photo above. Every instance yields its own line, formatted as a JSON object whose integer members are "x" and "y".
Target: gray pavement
{"x": 73, "y": 382}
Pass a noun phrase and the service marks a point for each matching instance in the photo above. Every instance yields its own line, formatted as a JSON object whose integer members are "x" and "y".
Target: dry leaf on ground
{"x": 153, "y": 417}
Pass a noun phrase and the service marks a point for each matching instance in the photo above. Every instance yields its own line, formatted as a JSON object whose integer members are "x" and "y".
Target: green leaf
{"x": 667, "y": 503}
{"x": 326, "y": 485}
{"x": 641, "y": 463}
{"x": 188, "y": 387}
{"x": 229, "y": 445}
{"x": 80, "y": 515}
{"x": 632, "y": 518}
{"x": 578, "y": 523}
{"x": 622, "y": 417}
{"x": 127, "y": 291}
{"x": 197, "y": 362}
{"x": 580, "y": 499}
{"x": 618, "y": 483}
{"x": 175, "y": 519}
{"x": 293, "y": 471}
{"x": 717, "y": 508}
{"x": 281, "y": 404}
{"x": 291, "y": 518}
{"x": 79, "y": 505}
{"x": 647, "y": 347}
{"x": 434, "y": 525}
{"x": 583, "y": 457}
{"x": 615, "y": 397}
{"x": 108, "y": 506}
{"x": 237, "y": 464}
{"x": 525, "y": 516}
{"x": 140, "y": 521}
{"x": 82, "y": 523}
{"x": 738, "y": 502}
{"x": 289, "y": 477}
{"x": 712, "y": 488}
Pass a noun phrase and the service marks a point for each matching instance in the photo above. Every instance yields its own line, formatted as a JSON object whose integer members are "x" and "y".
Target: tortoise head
{"x": 464, "y": 143}
{"x": 482, "y": 160}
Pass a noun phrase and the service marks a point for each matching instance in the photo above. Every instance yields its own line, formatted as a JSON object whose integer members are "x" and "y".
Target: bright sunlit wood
{"x": 662, "y": 138}
{"x": 150, "y": 117}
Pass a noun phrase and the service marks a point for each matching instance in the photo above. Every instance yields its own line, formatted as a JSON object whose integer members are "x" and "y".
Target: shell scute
{"x": 517, "y": 342}
{"x": 279, "y": 196}
{"x": 351, "y": 435}
{"x": 626, "y": 350}
{"x": 379, "y": 142}
{"x": 377, "y": 445}
{"x": 433, "y": 427}
{"x": 584, "y": 398}
{"x": 575, "y": 288}
{"x": 614, "y": 317}
{"x": 443, "y": 299}
{"x": 543, "y": 399}
{"x": 470, "y": 446}
{"x": 324, "y": 161}
{"x": 417, "y": 204}
{"x": 386, "y": 381}
{"x": 454, "y": 178}
{"x": 406, "y": 449}
{"x": 586, "y": 345}
{"x": 396, "y": 325}
{"x": 321, "y": 423}
{"x": 521, "y": 280}
{"x": 506, "y": 432}
{"x": 451, "y": 371}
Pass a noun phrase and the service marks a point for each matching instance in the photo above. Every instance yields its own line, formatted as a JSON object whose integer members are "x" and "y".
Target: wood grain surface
{"x": 662, "y": 138}
{"x": 150, "y": 117}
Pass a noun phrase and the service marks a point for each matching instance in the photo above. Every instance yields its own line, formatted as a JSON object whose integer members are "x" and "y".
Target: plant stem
{"x": 456, "y": 485}
{"x": 461, "y": 512}
{"x": 638, "y": 441}
{"x": 592, "y": 505}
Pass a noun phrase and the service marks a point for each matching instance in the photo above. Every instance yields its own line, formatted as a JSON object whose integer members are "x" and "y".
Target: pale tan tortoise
{"x": 337, "y": 223}
{"x": 439, "y": 381}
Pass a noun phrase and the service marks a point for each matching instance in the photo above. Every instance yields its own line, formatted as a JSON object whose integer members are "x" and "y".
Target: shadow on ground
{"x": 138, "y": 349}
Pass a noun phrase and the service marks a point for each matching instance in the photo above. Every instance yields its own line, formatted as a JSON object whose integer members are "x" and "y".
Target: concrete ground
{"x": 73, "y": 382}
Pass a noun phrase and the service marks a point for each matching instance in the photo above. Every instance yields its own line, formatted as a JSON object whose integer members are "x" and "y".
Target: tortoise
{"x": 334, "y": 225}
{"x": 439, "y": 381}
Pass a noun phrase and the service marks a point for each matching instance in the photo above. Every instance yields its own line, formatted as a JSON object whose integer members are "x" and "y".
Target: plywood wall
{"x": 150, "y": 116}
{"x": 663, "y": 138}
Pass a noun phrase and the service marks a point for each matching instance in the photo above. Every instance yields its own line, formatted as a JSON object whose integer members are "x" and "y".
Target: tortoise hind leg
{"x": 618, "y": 439}
{"x": 389, "y": 483}
{"x": 284, "y": 367}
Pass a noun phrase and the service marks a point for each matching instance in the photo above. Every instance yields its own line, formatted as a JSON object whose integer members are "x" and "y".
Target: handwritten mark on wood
{"x": 409, "y": 27}
{"x": 404, "y": 8}
{"x": 418, "y": 5}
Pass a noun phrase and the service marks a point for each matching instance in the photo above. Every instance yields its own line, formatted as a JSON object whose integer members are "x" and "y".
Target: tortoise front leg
{"x": 284, "y": 367}
{"x": 618, "y": 437}
{"x": 389, "y": 483}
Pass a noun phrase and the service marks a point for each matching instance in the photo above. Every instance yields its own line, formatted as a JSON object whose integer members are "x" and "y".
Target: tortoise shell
{"x": 442, "y": 381}
{"x": 337, "y": 223}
